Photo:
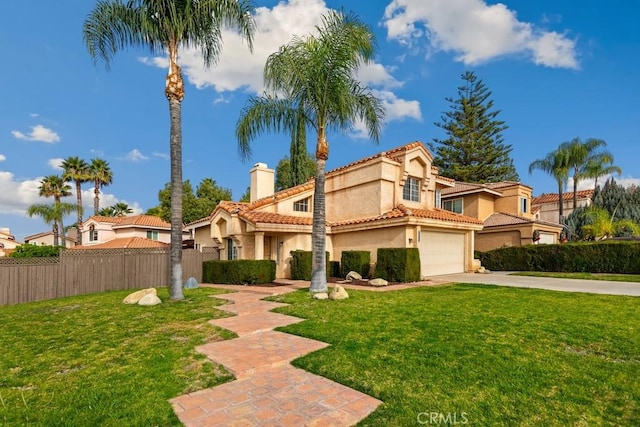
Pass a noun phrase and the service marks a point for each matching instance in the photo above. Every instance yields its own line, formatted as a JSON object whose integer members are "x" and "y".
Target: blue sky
{"x": 556, "y": 71}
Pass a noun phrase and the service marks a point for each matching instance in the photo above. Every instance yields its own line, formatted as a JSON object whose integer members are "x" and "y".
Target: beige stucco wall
{"x": 370, "y": 240}
{"x": 510, "y": 201}
{"x": 488, "y": 241}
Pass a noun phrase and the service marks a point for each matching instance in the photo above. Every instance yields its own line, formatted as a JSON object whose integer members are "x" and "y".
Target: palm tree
{"x": 77, "y": 170}
{"x": 555, "y": 164}
{"x": 101, "y": 175}
{"x": 52, "y": 214}
{"x": 56, "y": 187}
{"x": 166, "y": 26}
{"x": 600, "y": 165}
{"x": 312, "y": 79}
{"x": 119, "y": 209}
{"x": 579, "y": 154}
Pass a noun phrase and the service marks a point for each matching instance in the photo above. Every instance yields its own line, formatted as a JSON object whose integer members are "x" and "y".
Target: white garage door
{"x": 441, "y": 253}
{"x": 548, "y": 238}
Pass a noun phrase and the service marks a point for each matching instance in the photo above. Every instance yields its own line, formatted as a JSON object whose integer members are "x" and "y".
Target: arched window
{"x": 93, "y": 233}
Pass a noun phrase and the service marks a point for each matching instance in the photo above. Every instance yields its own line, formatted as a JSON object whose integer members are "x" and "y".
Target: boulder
{"x": 191, "y": 283}
{"x": 378, "y": 282}
{"x": 338, "y": 292}
{"x": 354, "y": 275}
{"x": 149, "y": 299}
{"x": 483, "y": 270}
{"x": 320, "y": 295}
{"x": 133, "y": 298}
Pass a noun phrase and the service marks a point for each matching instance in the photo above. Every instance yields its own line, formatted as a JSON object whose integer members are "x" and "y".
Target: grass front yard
{"x": 587, "y": 276}
{"x": 90, "y": 360}
{"x": 481, "y": 354}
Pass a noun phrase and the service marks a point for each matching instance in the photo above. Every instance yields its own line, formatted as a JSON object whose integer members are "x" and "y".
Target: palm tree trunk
{"x": 79, "y": 206}
{"x": 96, "y": 198}
{"x": 318, "y": 231}
{"x": 575, "y": 189}
{"x": 174, "y": 92}
{"x": 560, "y": 203}
{"x": 56, "y": 241}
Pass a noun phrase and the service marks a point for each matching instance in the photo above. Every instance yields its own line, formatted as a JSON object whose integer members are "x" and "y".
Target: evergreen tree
{"x": 620, "y": 202}
{"x": 286, "y": 177}
{"x": 474, "y": 150}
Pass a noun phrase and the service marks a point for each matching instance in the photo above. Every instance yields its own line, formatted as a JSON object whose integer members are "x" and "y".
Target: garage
{"x": 441, "y": 253}
{"x": 548, "y": 238}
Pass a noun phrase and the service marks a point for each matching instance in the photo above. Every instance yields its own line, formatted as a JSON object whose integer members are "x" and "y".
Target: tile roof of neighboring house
{"x": 553, "y": 197}
{"x": 274, "y": 218}
{"x": 132, "y": 221}
{"x": 469, "y": 187}
{"x": 126, "y": 242}
{"x": 402, "y": 211}
{"x": 44, "y": 234}
{"x": 500, "y": 219}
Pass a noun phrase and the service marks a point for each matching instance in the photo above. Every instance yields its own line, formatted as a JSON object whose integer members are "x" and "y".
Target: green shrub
{"x": 301, "y": 262}
{"x": 30, "y": 251}
{"x": 358, "y": 261}
{"x": 619, "y": 257}
{"x": 334, "y": 268}
{"x": 398, "y": 264}
{"x": 239, "y": 272}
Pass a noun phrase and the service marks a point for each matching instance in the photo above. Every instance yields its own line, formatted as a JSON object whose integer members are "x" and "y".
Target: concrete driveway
{"x": 503, "y": 278}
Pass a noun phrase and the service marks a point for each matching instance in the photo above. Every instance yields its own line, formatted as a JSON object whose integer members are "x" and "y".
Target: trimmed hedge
{"x": 398, "y": 264}
{"x": 31, "y": 251}
{"x": 618, "y": 257}
{"x": 334, "y": 268}
{"x": 358, "y": 261}
{"x": 301, "y": 262}
{"x": 239, "y": 272}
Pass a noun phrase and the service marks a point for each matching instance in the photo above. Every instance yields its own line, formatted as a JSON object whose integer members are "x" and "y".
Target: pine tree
{"x": 474, "y": 150}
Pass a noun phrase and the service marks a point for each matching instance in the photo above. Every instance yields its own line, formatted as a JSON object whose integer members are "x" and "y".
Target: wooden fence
{"x": 79, "y": 272}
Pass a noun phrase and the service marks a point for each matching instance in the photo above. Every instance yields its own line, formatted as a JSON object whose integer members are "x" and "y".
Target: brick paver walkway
{"x": 268, "y": 391}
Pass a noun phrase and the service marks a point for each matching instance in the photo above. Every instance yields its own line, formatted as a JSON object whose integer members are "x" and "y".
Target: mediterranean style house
{"x": 136, "y": 231}
{"x": 383, "y": 201}
{"x": 7, "y": 242}
{"x": 545, "y": 206}
{"x": 505, "y": 211}
{"x": 47, "y": 238}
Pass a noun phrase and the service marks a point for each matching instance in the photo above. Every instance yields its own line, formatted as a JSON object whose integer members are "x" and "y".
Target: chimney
{"x": 262, "y": 181}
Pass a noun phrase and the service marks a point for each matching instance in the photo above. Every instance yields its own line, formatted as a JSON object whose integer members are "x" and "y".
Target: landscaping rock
{"x": 483, "y": 270}
{"x": 378, "y": 282}
{"x": 354, "y": 275}
{"x": 135, "y": 297}
{"x": 338, "y": 292}
{"x": 321, "y": 295}
{"x": 191, "y": 283}
{"x": 149, "y": 299}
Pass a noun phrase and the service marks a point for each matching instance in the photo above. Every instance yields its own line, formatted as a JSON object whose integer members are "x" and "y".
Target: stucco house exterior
{"x": 7, "y": 242}
{"x": 136, "y": 231}
{"x": 382, "y": 201}
{"x": 46, "y": 238}
{"x": 505, "y": 211}
{"x": 545, "y": 206}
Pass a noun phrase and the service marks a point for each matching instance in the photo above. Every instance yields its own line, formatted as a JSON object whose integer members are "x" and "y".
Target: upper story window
{"x": 93, "y": 233}
{"x": 152, "y": 234}
{"x": 524, "y": 204}
{"x": 301, "y": 205}
{"x": 454, "y": 205}
{"x": 411, "y": 189}
{"x": 438, "y": 199}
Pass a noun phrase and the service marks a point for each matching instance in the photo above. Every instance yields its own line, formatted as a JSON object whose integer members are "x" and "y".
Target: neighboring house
{"x": 46, "y": 238}
{"x": 383, "y": 201}
{"x": 505, "y": 211}
{"x": 7, "y": 242}
{"x": 546, "y": 205}
{"x": 109, "y": 232}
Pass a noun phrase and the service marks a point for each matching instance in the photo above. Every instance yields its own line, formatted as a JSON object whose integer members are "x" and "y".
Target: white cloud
{"x": 2, "y": 158}
{"x": 55, "y": 164}
{"x": 34, "y": 115}
{"x": 475, "y": 32}
{"x": 396, "y": 108}
{"x": 135, "y": 155}
{"x": 239, "y": 69}
{"x": 17, "y": 196}
{"x": 161, "y": 155}
{"x": 588, "y": 184}
{"x": 38, "y": 133}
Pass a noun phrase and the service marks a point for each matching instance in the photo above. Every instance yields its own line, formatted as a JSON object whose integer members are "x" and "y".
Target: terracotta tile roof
{"x": 468, "y": 187}
{"x": 289, "y": 192}
{"x": 402, "y": 211}
{"x": 274, "y": 218}
{"x": 134, "y": 220}
{"x": 568, "y": 196}
{"x": 500, "y": 219}
{"x": 106, "y": 219}
{"x": 125, "y": 242}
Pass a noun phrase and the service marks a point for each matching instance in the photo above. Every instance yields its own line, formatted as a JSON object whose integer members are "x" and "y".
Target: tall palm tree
{"x": 165, "y": 26}
{"x": 100, "y": 174}
{"x": 312, "y": 79}
{"x": 598, "y": 166}
{"x": 119, "y": 209}
{"x": 579, "y": 154}
{"x": 56, "y": 187}
{"x": 52, "y": 214}
{"x": 555, "y": 164}
{"x": 77, "y": 170}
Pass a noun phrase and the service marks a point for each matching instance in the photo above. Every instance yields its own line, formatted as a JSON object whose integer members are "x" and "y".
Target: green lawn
{"x": 587, "y": 276}
{"x": 490, "y": 356}
{"x": 90, "y": 360}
